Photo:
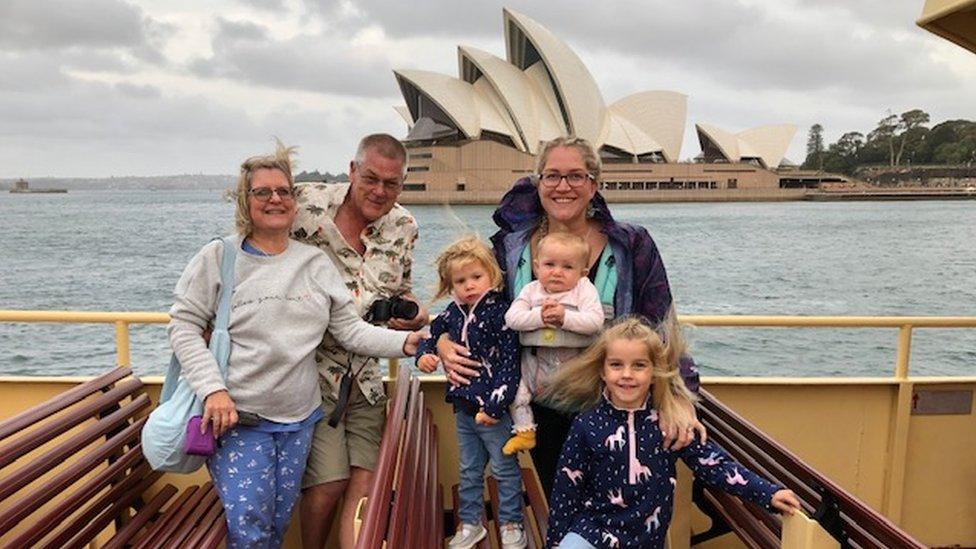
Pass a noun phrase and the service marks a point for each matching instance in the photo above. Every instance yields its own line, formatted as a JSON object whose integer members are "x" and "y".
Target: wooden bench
{"x": 72, "y": 473}
{"x": 535, "y": 509}
{"x": 404, "y": 506}
{"x": 843, "y": 516}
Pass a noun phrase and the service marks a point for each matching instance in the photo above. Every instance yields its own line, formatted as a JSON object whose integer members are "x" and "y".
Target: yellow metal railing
{"x": 904, "y": 324}
{"x": 895, "y": 469}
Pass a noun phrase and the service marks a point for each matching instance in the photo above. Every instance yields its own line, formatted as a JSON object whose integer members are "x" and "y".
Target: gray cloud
{"x": 276, "y": 6}
{"x": 325, "y": 64}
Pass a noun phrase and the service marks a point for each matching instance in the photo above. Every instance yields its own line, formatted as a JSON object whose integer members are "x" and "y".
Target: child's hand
{"x": 427, "y": 363}
{"x": 553, "y": 313}
{"x": 785, "y": 501}
{"x": 482, "y": 418}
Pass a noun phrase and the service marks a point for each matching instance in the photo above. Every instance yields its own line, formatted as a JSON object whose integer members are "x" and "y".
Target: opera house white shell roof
{"x": 543, "y": 90}
{"x": 767, "y": 144}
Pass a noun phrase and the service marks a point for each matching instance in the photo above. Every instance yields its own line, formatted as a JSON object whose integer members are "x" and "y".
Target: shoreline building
{"x": 470, "y": 138}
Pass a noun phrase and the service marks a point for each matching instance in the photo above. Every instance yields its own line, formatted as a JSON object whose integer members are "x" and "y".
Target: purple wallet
{"x": 197, "y": 443}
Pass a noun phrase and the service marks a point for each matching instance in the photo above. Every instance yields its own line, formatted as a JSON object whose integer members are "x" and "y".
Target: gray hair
{"x": 280, "y": 160}
{"x": 384, "y": 145}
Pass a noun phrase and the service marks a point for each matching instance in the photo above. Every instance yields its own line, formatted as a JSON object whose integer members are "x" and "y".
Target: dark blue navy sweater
{"x": 615, "y": 482}
{"x": 482, "y": 330}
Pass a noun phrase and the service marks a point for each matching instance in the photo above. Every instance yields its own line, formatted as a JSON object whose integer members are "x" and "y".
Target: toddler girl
{"x": 557, "y": 314}
{"x": 468, "y": 271}
{"x": 615, "y": 483}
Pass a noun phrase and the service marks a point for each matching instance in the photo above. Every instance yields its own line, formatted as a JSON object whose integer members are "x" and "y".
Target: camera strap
{"x": 345, "y": 390}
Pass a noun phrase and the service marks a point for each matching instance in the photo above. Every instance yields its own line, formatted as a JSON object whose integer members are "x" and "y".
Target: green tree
{"x": 883, "y": 136}
{"x": 815, "y": 148}
{"x": 911, "y": 124}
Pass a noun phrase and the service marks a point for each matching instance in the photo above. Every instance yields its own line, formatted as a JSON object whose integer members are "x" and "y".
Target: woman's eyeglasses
{"x": 264, "y": 193}
{"x": 574, "y": 179}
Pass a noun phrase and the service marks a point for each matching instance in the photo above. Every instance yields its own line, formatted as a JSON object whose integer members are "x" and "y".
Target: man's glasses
{"x": 264, "y": 193}
{"x": 574, "y": 179}
{"x": 389, "y": 185}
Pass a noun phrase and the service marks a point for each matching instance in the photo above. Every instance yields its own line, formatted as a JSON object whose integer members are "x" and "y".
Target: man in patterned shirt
{"x": 370, "y": 238}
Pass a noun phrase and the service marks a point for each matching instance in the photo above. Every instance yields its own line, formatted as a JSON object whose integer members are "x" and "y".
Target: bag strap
{"x": 226, "y": 281}
{"x": 219, "y": 338}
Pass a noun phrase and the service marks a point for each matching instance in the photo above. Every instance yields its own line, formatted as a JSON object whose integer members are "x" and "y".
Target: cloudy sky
{"x": 95, "y": 88}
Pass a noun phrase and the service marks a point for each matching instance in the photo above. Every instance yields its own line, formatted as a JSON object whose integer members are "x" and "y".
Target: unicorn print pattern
{"x": 482, "y": 328}
{"x": 616, "y": 440}
{"x": 615, "y": 495}
{"x": 574, "y": 476}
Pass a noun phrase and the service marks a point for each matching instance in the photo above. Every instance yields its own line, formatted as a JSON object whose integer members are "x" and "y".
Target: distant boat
{"x": 22, "y": 187}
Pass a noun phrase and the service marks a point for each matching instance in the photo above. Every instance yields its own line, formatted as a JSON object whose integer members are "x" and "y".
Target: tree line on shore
{"x": 898, "y": 140}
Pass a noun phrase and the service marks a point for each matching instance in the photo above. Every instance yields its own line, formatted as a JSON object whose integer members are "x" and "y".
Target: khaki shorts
{"x": 355, "y": 442}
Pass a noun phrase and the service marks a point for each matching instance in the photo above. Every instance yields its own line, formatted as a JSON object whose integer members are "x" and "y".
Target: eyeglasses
{"x": 389, "y": 185}
{"x": 264, "y": 193}
{"x": 574, "y": 179}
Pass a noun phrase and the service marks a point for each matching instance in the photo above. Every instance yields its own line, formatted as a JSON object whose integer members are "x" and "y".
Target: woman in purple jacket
{"x": 625, "y": 267}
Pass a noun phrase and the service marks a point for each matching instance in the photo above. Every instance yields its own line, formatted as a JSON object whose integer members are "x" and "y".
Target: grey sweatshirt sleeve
{"x": 194, "y": 308}
{"x": 351, "y": 331}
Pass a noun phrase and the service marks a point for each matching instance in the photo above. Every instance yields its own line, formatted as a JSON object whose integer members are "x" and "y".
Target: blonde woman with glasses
{"x": 286, "y": 295}
{"x": 624, "y": 265}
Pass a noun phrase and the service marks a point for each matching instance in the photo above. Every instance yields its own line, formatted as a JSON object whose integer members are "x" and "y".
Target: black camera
{"x": 384, "y": 309}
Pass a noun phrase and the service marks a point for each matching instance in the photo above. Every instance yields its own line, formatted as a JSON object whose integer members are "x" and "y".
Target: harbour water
{"x": 124, "y": 250}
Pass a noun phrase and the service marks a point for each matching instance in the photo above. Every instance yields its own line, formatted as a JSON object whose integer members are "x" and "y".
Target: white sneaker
{"x": 513, "y": 537}
{"x": 467, "y": 536}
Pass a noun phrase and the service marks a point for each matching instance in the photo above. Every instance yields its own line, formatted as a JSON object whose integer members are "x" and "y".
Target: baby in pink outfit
{"x": 557, "y": 315}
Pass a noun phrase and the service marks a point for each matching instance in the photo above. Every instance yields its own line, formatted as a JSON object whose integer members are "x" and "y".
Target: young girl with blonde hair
{"x": 614, "y": 484}
{"x": 468, "y": 272}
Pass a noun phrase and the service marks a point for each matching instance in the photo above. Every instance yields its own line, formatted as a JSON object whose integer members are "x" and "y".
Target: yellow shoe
{"x": 522, "y": 440}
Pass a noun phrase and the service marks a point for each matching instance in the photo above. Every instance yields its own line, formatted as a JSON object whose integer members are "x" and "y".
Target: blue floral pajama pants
{"x": 258, "y": 475}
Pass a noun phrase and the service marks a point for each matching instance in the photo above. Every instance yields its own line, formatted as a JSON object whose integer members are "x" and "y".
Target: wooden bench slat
{"x": 215, "y": 535}
{"x": 161, "y": 535}
{"x": 116, "y": 509}
{"x": 76, "y": 525}
{"x": 746, "y": 452}
{"x": 141, "y": 519}
{"x": 406, "y": 470}
{"x": 57, "y": 425}
{"x": 31, "y": 501}
{"x": 71, "y": 396}
{"x": 376, "y": 515}
{"x": 214, "y": 514}
{"x": 72, "y": 471}
{"x": 50, "y": 459}
{"x": 863, "y": 523}
{"x": 177, "y": 537}
{"x": 537, "y": 502}
{"x": 734, "y": 513}
{"x": 184, "y": 500}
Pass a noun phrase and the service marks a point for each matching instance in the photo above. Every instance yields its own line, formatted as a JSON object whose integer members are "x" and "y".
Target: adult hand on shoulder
{"x": 680, "y": 428}
{"x": 457, "y": 361}
{"x": 414, "y": 323}
{"x": 785, "y": 501}
{"x": 412, "y": 342}
{"x": 219, "y": 409}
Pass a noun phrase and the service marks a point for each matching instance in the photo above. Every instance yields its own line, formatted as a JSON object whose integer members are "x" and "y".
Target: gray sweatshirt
{"x": 281, "y": 307}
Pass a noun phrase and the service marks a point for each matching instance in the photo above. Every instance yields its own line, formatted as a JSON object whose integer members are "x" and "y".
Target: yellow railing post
{"x": 122, "y": 343}
{"x": 898, "y": 447}
{"x": 394, "y": 364}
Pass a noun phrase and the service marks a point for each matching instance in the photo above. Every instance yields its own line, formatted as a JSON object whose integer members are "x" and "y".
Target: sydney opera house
{"x": 469, "y": 138}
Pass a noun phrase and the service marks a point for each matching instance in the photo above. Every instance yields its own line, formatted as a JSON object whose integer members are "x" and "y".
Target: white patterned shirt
{"x": 383, "y": 270}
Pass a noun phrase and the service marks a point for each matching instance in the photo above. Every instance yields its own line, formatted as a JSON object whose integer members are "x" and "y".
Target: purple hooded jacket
{"x": 642, "y": 283}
